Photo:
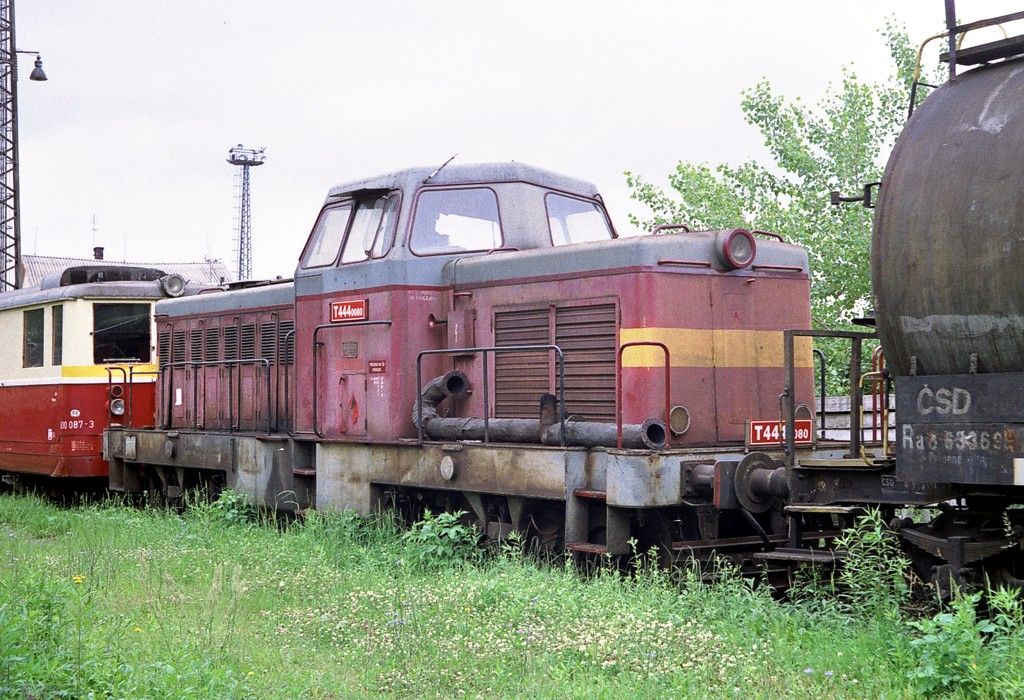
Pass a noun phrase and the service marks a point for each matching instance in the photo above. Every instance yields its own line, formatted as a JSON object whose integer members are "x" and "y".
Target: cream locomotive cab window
{"x": 57, "y": 335}
{"x": 32, "y": 346}
{"x": 120, "y": 332}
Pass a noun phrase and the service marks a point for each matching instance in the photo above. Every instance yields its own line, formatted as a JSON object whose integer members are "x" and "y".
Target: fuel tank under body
{"x": 947, "y": 264}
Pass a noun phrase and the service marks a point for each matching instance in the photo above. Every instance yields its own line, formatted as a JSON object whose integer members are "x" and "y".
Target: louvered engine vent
{"x": 587, "y": 335}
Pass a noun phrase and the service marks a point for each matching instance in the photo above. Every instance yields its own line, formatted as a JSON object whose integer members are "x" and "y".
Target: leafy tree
{"x": 838, "y": 145}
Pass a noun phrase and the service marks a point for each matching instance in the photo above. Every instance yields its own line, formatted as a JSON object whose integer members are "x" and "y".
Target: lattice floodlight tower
{"x": 11, "y": 271}
{"x": 244, "y": 158}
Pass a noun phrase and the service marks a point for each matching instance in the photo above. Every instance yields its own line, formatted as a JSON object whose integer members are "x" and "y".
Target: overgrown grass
{"x": 121, "y": 602}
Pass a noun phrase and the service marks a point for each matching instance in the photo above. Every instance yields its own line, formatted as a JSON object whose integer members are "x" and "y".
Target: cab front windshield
{"x": 352, "y": 231}
{"x": 120, "y": 333}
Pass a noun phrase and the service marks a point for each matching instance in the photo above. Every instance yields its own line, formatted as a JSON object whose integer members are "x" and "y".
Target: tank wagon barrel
{"x": 946, "y": 264}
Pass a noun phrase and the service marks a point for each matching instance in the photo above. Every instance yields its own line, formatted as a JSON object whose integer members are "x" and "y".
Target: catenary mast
{"x": 11, "y": 271}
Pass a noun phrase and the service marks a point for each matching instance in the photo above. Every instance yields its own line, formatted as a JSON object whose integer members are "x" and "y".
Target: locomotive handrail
{"x": 559, "y": 362}
{"x": 778, "y": 268}
{"x": 317, "y": 344}
{"x": 789, "y": 363}
{"x": 110, "y": 385}
{"x": 878, "y": 411}
{"x": 670, "y": 227}
{"x": 167, "y": 417}
{"x": 876, "y": 377}
{"x": 110, "y": 374}
{"x": 770, "y": 234}
{"x": 618, "y": 387}
{"x": 291, "y": 415}
{"x": 692, "y": 263}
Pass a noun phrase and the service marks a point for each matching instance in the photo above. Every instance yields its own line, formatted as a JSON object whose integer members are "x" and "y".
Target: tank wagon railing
{"x": 618, "y": 386}
{"x": 856, "y": 399}
{"x": 954, "y": 35}
{"x": 485, "y": 351}
{"x": 316, "y": 346}
{"x": 166, "y": 379}
{"x": 820, "y": 354}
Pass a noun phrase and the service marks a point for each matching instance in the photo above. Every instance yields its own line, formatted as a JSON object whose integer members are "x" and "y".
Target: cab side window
{"x": 357, "y": 230}
{"x": 575, "y": 220}
{"x": 120, "y": 332}
{"x": 32, "y": 347}
{"x": 456, "y": 220}
{"x": 57, "y": 334}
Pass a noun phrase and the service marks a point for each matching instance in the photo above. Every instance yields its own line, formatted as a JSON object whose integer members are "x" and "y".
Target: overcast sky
{"x": 145, "y": 98}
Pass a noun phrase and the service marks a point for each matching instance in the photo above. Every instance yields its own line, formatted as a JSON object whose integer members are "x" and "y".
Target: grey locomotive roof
{"x": 645, "y": 251}
{"x": 99, "y": 290}
{"x": 273, "y": 294}
{"x": 467, "y": 173}
{"x": 206, "y": 272}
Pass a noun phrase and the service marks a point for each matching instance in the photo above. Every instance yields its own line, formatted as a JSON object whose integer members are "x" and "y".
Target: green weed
{"x": 109, "y": 601}
{"x": 442, "y": 539}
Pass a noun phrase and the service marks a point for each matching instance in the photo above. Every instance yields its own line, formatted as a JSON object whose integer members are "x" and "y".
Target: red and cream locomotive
{"x": 80, "y": 359}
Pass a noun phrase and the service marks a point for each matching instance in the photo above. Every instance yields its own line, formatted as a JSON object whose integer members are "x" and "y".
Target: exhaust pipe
{"x": 649, "y": 435}
{"x": 454, "y": 384}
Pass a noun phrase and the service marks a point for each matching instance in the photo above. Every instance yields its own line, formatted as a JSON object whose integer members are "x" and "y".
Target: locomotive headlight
{"x": 736, "y": 248}
{"x": 117, "y": 407}
{"x": 173, "y": 285}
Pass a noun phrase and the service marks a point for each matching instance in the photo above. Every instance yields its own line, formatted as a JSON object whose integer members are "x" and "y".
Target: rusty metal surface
{"x": 962, "y": 429}
{"x": 947, "y": 250}
{"x": 638, "y": 480}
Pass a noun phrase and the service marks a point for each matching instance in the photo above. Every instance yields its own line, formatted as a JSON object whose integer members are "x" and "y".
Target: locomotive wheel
{"x": 654, "y": 531}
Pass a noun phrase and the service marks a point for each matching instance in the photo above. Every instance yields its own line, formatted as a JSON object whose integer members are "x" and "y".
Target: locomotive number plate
{"x": 772, "y": 433}
{"x": 348, "y": 310}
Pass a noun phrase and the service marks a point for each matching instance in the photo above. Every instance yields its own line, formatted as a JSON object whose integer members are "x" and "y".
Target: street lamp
{"x": 11, "y": 268}
{"x": 37, "y": 72}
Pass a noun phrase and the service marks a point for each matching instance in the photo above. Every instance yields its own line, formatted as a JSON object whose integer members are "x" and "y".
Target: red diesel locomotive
{"x": 478, "y": 337}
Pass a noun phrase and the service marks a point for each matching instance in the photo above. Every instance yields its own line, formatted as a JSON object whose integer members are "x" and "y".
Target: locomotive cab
{"x": 497, "y": 255}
